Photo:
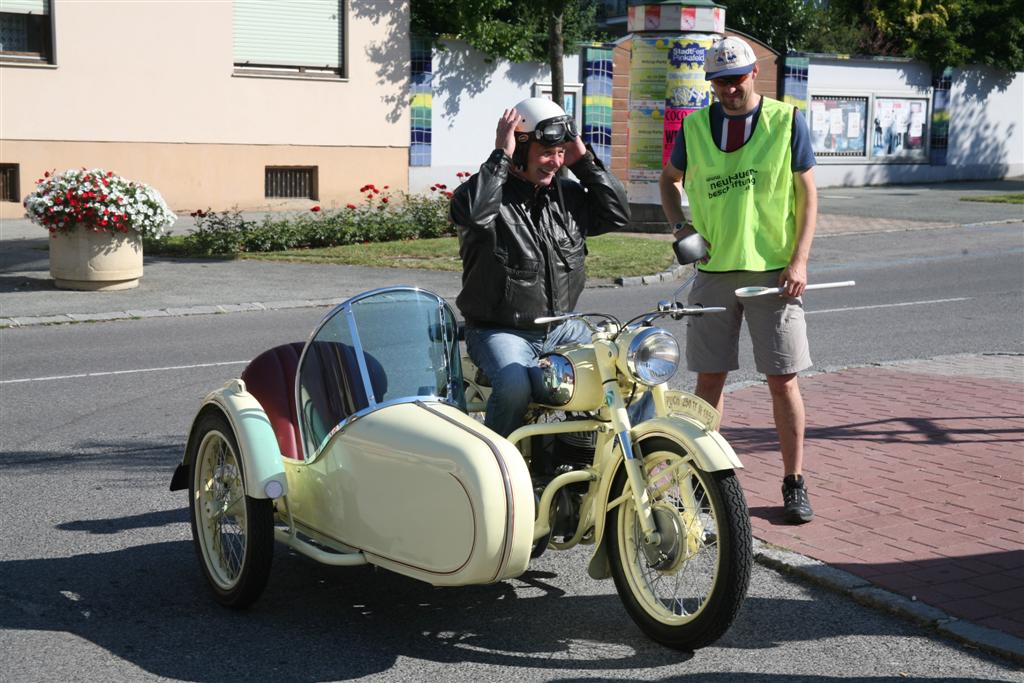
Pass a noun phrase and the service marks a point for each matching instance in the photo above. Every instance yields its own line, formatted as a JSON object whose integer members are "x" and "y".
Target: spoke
{"x": 225, "y": 509}
{"x": 668, "y": 474}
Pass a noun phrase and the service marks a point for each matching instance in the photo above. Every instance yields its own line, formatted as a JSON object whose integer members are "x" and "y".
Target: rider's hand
{"x": 793, "y": 280}
{"x": 574, "y": 151}
{"x": 505, "y": 138}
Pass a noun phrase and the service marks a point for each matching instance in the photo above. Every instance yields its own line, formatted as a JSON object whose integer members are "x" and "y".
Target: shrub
{"x": 382, "y": 216}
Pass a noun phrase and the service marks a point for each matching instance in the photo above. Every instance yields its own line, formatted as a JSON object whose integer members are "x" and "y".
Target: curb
{"x": 673, "y": 273}
{"x": 64, "y": 318}
{"x": 865, "y": 593}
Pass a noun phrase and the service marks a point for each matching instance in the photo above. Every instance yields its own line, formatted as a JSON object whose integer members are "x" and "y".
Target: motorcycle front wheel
{"x": 685, "y": 592}
{"x": 233, "y": 533}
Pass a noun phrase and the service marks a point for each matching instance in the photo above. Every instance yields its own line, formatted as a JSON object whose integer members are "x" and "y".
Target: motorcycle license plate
{"x": 687, "y": 405}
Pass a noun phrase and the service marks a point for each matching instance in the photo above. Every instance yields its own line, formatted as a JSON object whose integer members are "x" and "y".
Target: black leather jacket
{"x": 523, "y": 248}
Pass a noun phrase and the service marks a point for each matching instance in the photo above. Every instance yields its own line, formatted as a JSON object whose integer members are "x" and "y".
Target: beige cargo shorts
{"x": 776, "y": 325}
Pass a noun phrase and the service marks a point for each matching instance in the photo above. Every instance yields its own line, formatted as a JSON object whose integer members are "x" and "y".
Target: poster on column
{"x": 646, "y": 131}
{"x": 686, "y": 91}
{"x": 646, "y": 118}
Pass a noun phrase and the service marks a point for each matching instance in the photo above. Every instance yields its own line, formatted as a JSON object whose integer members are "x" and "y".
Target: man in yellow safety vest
{"x": 748, "y": 169}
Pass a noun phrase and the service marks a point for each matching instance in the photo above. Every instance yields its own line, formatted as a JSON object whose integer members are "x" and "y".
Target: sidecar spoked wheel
{"x": 233, "y": 533}
{"x": 685, "y": 594}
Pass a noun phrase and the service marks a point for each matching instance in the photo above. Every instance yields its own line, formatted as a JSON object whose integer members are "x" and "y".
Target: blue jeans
{"x": 509, "y": 356}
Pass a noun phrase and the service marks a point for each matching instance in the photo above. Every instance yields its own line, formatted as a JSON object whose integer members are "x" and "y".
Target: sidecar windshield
{"x": 389, "y": 345}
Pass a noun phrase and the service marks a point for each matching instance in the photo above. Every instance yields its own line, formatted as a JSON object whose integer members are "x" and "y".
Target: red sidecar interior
{"x": 270, "y": 377}
{"x": 330, "y": 384}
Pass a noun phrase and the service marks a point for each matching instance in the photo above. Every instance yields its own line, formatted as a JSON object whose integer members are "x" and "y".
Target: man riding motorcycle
{"x": 522, "y": 239}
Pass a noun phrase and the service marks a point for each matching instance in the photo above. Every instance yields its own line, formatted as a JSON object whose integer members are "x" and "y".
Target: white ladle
{"x": 747, "y": 292}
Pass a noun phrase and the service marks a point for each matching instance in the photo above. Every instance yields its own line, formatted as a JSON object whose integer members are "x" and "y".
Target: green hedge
{"x": 382, "y": 216}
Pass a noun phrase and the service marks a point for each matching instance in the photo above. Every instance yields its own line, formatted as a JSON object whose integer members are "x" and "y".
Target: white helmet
{"x": 544, "y": 122}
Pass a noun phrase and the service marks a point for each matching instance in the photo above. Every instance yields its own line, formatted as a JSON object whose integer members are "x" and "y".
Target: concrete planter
{"x": 84, "y": 259}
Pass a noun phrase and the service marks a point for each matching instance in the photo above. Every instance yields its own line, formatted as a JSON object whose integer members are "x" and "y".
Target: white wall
{"x": 470, "y": 93}
{"x": 986, "y": 117}
{"x": 986, "y": 136}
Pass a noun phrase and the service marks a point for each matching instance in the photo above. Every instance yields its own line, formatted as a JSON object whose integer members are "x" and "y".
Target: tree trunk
{"x": 555, "y": 53}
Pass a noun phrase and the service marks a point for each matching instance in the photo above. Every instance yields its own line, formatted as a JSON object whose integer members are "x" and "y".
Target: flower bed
{"x": 381, "y": 216}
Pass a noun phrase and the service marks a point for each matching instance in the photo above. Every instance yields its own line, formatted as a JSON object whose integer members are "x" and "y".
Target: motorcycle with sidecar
{"x": 365, "y": 445}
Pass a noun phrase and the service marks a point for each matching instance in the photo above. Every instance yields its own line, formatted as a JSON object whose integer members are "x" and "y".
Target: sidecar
{"x": 355, "y": 448}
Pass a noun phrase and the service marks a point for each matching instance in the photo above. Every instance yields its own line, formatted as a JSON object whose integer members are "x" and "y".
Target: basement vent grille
{"x": 290, "y": 181}
{"x": 9, "y": 183}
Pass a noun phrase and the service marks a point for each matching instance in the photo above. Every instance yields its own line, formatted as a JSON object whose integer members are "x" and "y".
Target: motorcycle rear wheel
{"x": 233, "y": 533}
{"x": 689, "y": 595}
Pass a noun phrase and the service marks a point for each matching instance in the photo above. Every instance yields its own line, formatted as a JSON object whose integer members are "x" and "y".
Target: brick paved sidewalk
{"x": 916, "y": 474}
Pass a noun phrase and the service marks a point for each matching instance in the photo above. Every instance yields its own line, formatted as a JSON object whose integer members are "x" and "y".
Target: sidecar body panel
{"x": 423, "y": 490}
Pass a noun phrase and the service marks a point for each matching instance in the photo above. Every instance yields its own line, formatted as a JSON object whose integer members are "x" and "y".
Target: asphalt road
{"x": 98, "y": 579}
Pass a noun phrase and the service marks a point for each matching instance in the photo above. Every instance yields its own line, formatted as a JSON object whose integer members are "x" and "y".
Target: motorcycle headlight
{"x": 653, "y": 356}
{"x": 557, "y": 380}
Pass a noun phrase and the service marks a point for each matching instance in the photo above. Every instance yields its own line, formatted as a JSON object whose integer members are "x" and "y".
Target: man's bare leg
{"x": 788, "y": 407}
{"x": 710, "y": 386}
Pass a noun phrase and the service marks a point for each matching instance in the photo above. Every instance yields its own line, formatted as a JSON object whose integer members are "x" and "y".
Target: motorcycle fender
{"x": 262, "y": 460}
{"x": 709, "y": 449}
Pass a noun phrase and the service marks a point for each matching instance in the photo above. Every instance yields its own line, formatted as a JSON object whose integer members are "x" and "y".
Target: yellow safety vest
{"x": 743, "y": 202}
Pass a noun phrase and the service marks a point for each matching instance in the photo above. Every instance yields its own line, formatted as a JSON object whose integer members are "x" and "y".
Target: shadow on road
{"x": 148, "y": 605}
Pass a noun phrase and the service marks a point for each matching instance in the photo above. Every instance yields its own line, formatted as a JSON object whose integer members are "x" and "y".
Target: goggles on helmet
{"x": 556, "y": 130}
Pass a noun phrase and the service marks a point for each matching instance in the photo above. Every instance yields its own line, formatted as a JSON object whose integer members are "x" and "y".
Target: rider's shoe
{"x": 796, "y": 504}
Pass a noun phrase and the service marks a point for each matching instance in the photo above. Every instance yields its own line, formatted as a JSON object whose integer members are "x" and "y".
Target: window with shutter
{"x": 305, "y": 36}
{"x": 26, "y": 31}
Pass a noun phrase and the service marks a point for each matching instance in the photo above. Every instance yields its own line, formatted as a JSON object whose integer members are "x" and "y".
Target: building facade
{"x": 215, "y": 103}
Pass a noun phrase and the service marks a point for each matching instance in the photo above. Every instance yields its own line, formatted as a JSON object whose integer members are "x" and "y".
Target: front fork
{"x": 622, "y": 425}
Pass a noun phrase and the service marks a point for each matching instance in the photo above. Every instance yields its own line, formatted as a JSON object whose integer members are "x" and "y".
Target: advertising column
{"x": 667, "y": 83}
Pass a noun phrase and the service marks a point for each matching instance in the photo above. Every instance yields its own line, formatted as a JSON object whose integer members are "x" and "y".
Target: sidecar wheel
{"x": 687, "y": 594}
{"x": 233, "y": 533}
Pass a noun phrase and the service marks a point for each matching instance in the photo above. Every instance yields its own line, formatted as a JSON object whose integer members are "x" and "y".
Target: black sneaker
{"x": 796, "y": 505}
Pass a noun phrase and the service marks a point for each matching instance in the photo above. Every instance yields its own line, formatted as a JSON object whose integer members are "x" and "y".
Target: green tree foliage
{"x": 782, "y": 24}
{"x": 942, "y": 32}
{"x": 516, "y": 30}
{"x": 955, "y": 32}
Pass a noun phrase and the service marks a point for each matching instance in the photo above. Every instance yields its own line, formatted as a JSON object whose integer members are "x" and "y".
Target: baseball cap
{"x": 728, "y": 57}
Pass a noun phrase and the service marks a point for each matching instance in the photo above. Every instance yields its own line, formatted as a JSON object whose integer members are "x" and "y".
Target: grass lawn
{"x": 1010, "y": 198}
{"x": 610, "y": 256}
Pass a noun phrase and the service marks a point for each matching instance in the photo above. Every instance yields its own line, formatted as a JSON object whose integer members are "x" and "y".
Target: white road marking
{"x": 122, "y": 372}
{"x": 904, "y": 303}
{"x": 242, "y": 362}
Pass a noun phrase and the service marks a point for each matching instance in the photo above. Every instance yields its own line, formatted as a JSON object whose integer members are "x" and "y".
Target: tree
{"x": 942, "y": 33}
{"x": 782, "y": 24}
{"x": 516, "y": 30}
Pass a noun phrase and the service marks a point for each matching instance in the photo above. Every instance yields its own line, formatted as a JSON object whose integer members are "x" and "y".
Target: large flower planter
{"x": 85, "y": 259}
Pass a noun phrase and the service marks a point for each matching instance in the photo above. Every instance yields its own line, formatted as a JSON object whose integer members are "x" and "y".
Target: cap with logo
{"x": 729, "y": 57}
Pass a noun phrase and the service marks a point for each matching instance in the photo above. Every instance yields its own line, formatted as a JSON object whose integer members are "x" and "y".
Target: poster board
{"x": 900, "y": 127}
{"x": 874, "y": 127}
{"x": 837, "y": 125}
